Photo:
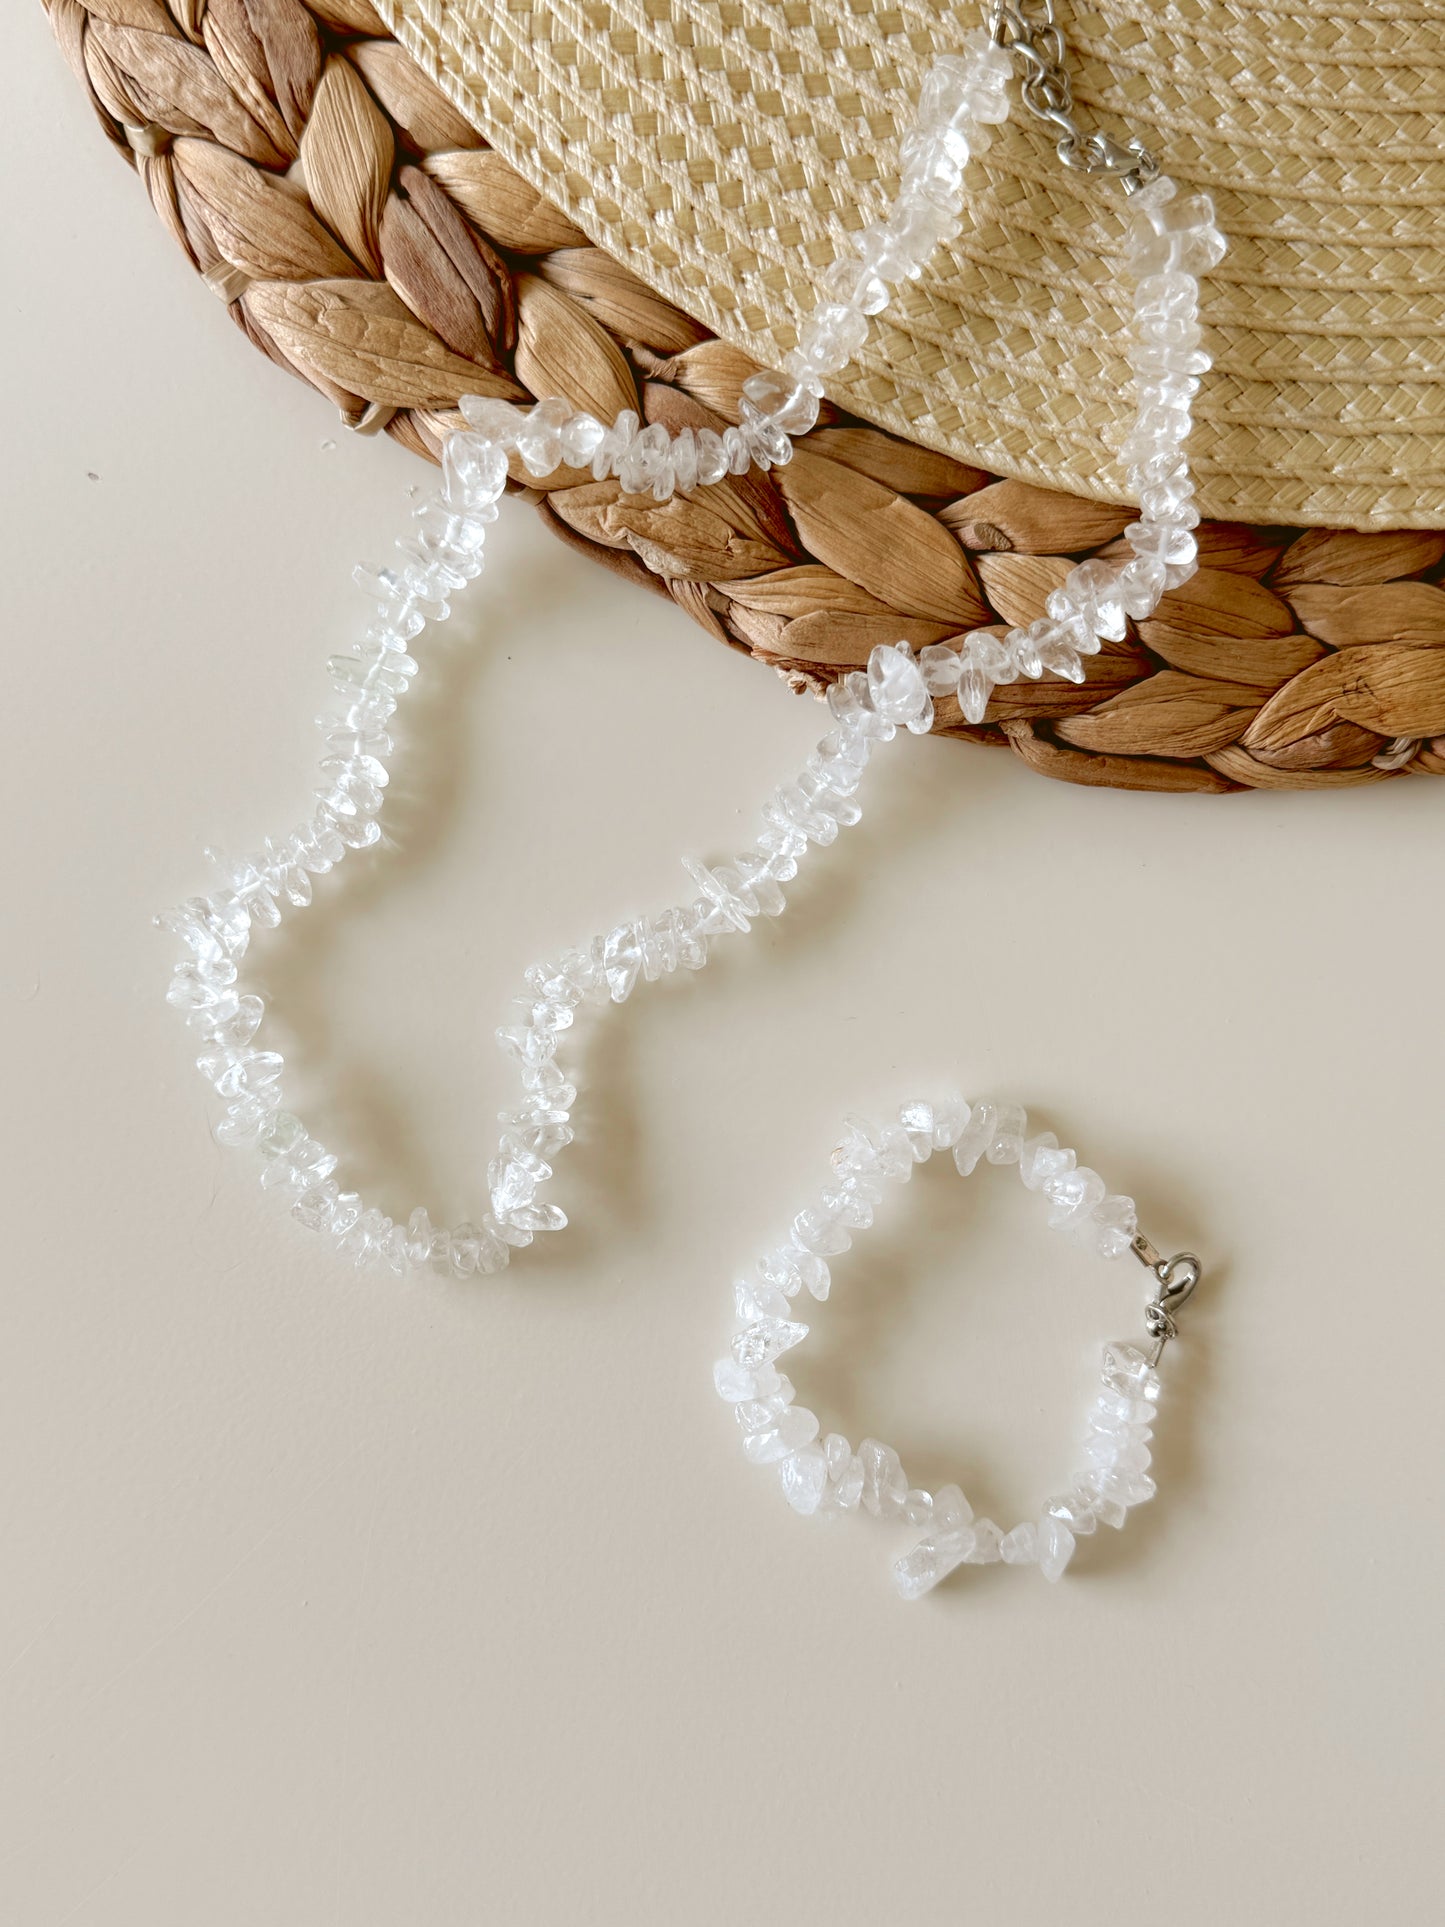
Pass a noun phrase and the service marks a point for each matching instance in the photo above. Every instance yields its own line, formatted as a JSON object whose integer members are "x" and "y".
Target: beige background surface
{"x": 330, "y": 1601}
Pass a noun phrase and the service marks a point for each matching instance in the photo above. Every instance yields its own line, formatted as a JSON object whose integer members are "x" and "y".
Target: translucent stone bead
{"x": 804, "y": 1478}
{"x": 987, "y": 1547}
{"x": 1172, "y": 235}
{"x": 474, "y": 467}
{"x": 1172, "y": 547}
{"x": 1110, "y": 1230}
{"x": 795, "y": 1427}
{"x": 1127, "y": 1370}
{"x": 851, "y": 702}
{"x": 831, "y": 336}
{"x": 933, "y": 159}
{"x": 821, "y": 1232}
{"x": 205, "y": 992}
{"x": 418, "y": 1237}
{"x": 234, "y": 1072}
{"x": 1121, "y": 1408}
{"x": 791, "y": 403}
{"x": 1010, "y": 1123}
{"x": 681, "y": 928}
{"x": 789, "y": 808}
{"x": 896, "y": 688}
{"x": 1127, "y": 1489}
{"x": 497, "y": 421}
{"x": 527, "y": 1043}
{"x": 767, "y": 443}
{"x": 315, "y": 1205}
{"x": 735, "y": 1382}
{"x": 884, "y": 1486}
{"x": 1117, "y": 1452}
{"x": 1056, "y": 651}
{"x": 622, "y": 961}
{"x": 646, "y": 466}
{"x": 852, "y": 1203}
{"x": 931, "y": 1560}
{"x": 813, "y": 1270}
{"x": 916, "y": 1120}
{"x": 940, "y": 666}
{"x": 720, "y": 888}
{"x": 1022, "y": 652}
{"x": 864, "y": 1151}
{"x": 468, "y": 1242}
{"x": 684, "y": 461}
{"x": 547, "y": 1086}
{"x": 1072, "y": 1196}
{"x": 539, "y": 435}
{"x": 1141, "y": 583}
{"x": 760, "y": 1343}
{"x": 853, "y": 285}
{"x": 240, "y": 1027}
{"x": 838, "y": 771}
{"x": 975, "y": 1138}
{"x": 616, "y": 441}
{"x": 1094, "y": 588}
{"x": 950, "y": 1508}
{"x": 975, "y": 687}
{"x": 216, "y": 939}
{"x": 779, "y": 1270}
{"x": 1041, "y": 1159}
{"x": 246, "y": 1114}
{"x": 735, "y": 448}
{"x": 711, "y": 457}
{"x": 918, "y": 1506}
{"x": 1055, "y": 1547}
{"x": 1167, "y": 297}
{"x": 582, "y": 436}
{"x": 1073, "y": 1509}
{"x": 842, "y": 807}
{"x": 760, "y": 1414}
{"x": 1021, "y": 1546}
{"x": 1170, "y": 501}
{"x": 753, "y": 1300}
{"x": 845, "y": 1479}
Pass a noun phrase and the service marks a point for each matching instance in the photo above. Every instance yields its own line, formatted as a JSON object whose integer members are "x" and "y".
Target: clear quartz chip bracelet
{"x": 1170, "y": 241}
{"x": 828, "y": 1475}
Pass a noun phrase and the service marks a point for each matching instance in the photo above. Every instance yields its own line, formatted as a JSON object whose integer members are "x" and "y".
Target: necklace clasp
{"x": 1177, "y": 1278}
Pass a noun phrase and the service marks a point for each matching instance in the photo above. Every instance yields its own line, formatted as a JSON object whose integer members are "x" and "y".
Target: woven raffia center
{"x": 366, "y": 238}
{"x": 725, "y": 148}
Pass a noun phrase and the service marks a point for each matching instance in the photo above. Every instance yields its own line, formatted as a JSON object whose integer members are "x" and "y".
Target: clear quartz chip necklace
{"x": 1170, "y": 240}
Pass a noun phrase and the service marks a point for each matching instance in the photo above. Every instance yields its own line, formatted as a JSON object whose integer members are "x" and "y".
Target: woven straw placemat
{"x": 364, "y": 236}
{"x": 721, "y": 148}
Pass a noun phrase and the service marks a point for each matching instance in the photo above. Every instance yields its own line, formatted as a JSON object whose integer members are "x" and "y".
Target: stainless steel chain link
{"x": 1029, "y": 31}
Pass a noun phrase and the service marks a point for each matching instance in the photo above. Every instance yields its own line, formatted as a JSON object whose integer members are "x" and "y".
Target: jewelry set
{"x": 1171, "y": 240}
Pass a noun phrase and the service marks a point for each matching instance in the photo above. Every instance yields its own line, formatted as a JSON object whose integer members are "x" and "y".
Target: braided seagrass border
{"x": 363, "y": 236}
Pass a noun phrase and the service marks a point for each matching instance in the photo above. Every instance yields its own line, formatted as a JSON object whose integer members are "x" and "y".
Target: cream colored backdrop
{"x": 337, "y": 1601}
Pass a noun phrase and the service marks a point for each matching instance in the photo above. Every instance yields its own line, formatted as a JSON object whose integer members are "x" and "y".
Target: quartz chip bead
{"x": 897, "y": 689}
{"x": 1172, "y": 233}
{"x": 1054, "y": 1543}
{"x": 975, "y": 1138}
{"x": 786, "y": 400}
{"x": 932, "y": 1560}
{"x": 1127, "y": 1370}
{"x": 885, "y": 1488}
{"x": 803, "y": 1476}
{"x": 1007, "y": 1143}
{"x": 792, "y": 1428}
